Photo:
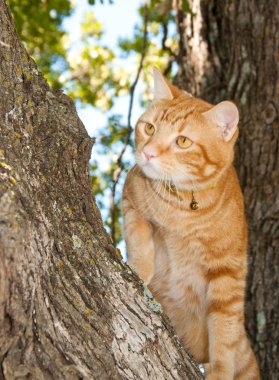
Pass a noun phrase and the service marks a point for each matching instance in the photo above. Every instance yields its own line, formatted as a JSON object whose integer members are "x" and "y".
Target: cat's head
{"x": 183, "y": 139}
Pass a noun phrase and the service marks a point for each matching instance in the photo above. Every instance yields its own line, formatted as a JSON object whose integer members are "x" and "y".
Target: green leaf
{"x": 186, "y": 6}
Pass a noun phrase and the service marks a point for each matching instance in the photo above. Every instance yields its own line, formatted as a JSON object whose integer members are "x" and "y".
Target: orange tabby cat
{"x": 185, "y": 227}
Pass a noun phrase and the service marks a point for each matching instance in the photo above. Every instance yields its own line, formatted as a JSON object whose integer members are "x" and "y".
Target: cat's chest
{"x": 188, "y": 284}
{"x": 179, "y": 265}
{"x": 177, "y": 218}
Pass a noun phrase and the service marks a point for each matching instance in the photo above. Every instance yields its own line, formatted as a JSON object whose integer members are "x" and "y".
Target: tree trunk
{"x": 69, "y": 307}
{"x": 230, "y": 50}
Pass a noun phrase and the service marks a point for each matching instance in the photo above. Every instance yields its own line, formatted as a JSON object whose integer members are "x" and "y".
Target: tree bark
{"x": 69, "y": 307}
{"x": 229, "y": 50}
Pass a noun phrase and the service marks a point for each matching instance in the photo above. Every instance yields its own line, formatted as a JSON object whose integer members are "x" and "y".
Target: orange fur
{"x": 193, "y": 261}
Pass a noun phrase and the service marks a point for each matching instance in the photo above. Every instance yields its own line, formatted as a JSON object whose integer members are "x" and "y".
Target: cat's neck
{"x": 197, "y": 198}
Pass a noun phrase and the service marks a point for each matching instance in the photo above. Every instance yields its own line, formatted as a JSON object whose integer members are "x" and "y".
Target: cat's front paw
{"x": 216, "y": 372}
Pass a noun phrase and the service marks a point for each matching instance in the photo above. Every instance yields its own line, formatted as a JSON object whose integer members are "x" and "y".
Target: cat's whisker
{"x": 185, "y": 177}
{"x": 179, "y": 198}
{"x": 167, "y": 183}
{"x": 164, "y": 189}
{"x": 168, "y": 199}
{"x": 154, "y": 193}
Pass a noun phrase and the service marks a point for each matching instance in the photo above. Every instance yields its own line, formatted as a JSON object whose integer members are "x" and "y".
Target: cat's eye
{"x": 149, "y": 129}
{"x": 183, "y": 142}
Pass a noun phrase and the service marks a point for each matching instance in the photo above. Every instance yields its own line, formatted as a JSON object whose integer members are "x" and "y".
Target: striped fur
{"x": 193, "y": 261}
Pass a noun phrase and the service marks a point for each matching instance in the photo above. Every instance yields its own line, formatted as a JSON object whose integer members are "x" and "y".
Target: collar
{"x": 194, "y": 205}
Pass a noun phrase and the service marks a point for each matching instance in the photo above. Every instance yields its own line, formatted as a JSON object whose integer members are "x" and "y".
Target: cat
{"x": 185, "y": 227}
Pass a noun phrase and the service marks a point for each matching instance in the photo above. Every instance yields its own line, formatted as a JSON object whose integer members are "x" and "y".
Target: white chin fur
{"x": 153, "y": 170}
{"x": 149, "y": 169}
{"x": 150, "y": 172}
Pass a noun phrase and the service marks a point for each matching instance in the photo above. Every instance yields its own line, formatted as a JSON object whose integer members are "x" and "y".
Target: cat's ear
{"x": 163, "y": 89}
{"x": 225, "y": 115}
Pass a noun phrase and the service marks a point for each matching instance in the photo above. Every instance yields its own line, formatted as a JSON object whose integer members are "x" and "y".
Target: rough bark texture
{"x": 230, "y": 50}
{"x": 69, "y": 308}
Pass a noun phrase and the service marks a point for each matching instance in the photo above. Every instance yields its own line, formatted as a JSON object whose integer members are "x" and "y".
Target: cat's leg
{"x": 221, "y": 353}
{"x": 246, "y": 366}
{"x": 225, "y": 300}
{"x": 140, "y": 247}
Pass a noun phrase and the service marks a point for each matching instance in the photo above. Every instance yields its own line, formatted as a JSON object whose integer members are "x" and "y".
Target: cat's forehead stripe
{"x": 173, "y": 115}
{"x": 160, "y": 116}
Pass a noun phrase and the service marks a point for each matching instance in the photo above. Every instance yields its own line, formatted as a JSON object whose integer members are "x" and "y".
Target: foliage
{"x": 39, "y": 26}
{"x": 162, "y": 45}
{"x": 92, "y": 2}
{"x": 94, "y": 76}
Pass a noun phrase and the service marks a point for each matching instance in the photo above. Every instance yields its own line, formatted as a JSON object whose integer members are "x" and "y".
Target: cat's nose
{"x": 150, "y": 153}
{"x": 148, "y": 156}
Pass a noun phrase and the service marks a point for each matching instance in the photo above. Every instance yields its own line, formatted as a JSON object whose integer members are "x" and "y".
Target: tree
{"x": 69, "y": 307}
{"x": 229, "y": 50}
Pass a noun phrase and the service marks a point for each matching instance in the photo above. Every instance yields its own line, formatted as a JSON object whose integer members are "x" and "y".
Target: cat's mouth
{"x": 150, "y": 168}
{"x": 151, "y": 171}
